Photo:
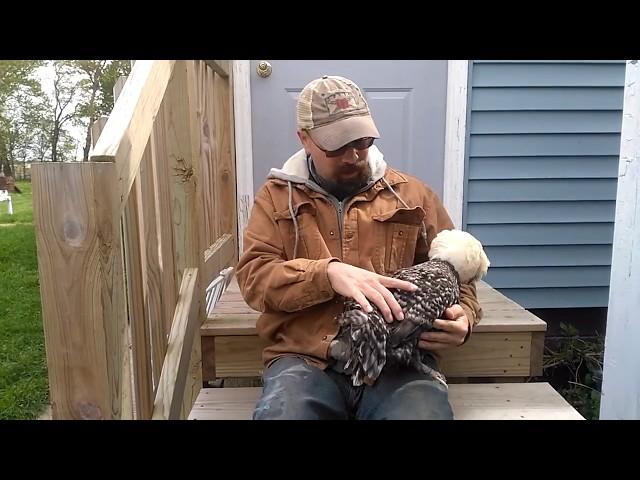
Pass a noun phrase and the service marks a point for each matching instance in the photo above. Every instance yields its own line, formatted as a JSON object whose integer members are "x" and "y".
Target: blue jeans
{"x": 295, "y": 390}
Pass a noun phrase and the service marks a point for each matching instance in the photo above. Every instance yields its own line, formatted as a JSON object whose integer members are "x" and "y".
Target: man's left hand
{"x": 453, "y": 330}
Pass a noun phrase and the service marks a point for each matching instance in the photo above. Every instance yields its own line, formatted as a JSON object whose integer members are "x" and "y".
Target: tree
{"x": 67, "y": 148}
{"x": 99, "y": 78}
{"x": 113, "y": 71}
{"x": 65, "y": 90}
{"x": 16, "y": 85}
{"x": 41, "y": 141}
{"x": 26, "y": 125}
{"x": 93, "y": 71}
{"x": 35, "y": 126}
{"x": 16, "y": 73}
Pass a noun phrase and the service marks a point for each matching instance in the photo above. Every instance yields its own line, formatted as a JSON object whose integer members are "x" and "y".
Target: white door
{"x": 407, "y": 99}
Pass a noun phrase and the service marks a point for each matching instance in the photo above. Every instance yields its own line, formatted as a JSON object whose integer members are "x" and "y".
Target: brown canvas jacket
{"x": 379, "y": 229}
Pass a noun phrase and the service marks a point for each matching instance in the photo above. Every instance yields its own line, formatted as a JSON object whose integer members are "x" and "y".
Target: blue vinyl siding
{"x": 541, "y": 176}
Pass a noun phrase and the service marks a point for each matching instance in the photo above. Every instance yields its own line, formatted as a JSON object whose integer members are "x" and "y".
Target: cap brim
{"x": 337, "y": 134}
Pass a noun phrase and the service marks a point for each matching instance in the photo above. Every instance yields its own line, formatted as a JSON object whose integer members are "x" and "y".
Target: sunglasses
{"x": 359, "y": 144}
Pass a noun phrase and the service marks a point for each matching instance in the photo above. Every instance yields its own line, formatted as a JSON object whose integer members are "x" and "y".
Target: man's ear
{"x": 304, "y": 139}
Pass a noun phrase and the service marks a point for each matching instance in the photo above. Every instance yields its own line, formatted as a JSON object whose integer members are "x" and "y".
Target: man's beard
{"x": 344, "y": 188}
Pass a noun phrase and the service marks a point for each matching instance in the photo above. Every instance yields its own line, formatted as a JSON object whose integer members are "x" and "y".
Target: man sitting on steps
{"x": 327, "y": 226}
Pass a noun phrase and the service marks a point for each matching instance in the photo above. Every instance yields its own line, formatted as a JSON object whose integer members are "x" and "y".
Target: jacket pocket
{"x": 308, "y": 233}
{"x": 398, "y": 231}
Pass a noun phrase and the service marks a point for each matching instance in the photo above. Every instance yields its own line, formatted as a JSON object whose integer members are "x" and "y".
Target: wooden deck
{"x": 487, "y": 375}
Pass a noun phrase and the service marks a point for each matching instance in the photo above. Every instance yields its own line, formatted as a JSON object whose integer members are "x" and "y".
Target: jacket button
{"x": 331, "y": 232}
{"x": 325, "y": 337}
{"x": 400, "y": 233}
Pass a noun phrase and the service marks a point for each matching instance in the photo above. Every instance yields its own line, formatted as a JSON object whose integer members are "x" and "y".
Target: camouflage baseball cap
{"x": 335, "y": 112}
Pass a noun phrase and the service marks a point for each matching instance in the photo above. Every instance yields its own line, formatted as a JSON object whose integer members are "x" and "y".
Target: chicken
{"x": 366, "y": 342}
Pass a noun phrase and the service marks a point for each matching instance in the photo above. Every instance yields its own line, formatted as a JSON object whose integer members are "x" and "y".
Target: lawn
{"x": 23, "y": 370}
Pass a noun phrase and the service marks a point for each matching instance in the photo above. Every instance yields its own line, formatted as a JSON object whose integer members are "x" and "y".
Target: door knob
{"x": 264, "y": 69}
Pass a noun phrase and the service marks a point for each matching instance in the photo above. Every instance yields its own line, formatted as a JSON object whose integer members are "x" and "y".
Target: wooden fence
{"x": 128, "y": 242}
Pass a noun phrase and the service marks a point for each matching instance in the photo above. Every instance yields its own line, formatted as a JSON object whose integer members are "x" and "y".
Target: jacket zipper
{"x": 340, "y": 220}
{"x": 339, "y": 205}
{"x": 340, "y": 211}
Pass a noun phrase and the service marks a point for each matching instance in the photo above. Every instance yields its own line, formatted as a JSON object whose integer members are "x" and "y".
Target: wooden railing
{"x": 128, "y": 242}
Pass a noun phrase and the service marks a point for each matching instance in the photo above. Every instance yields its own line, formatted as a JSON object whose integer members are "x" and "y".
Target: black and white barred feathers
{"x": 366, "y": 342}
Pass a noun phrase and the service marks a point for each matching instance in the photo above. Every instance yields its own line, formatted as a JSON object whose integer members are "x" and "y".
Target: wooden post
{"x": 169, "y": 401}
{"x": 221, "y": 67}
{"x": 183, "y": 168}
{"x": 133, "y": 230}
{"x": 182, "y": 112}
{"x": 128, "y": 385}
{"x": 160, "y": 156}
{"x": 621, "y": 377}
{"x": 209, "y": 161}
{"x": 153, "y": 274}
{"x": 97, "y": 127}
{"x": 224, "y": 153}
{"x": 83, "y": 304}
{"x": 135, "y": 260}
{"x": 118, "y": 86}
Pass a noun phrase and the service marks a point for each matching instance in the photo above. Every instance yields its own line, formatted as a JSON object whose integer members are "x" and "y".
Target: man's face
{"x": 350, "y": 169}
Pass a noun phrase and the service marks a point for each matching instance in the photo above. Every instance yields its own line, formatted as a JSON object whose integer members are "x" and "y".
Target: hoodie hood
{"x": 296, "y": 169}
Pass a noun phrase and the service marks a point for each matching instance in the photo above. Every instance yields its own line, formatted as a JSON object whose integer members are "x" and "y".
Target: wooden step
{"x": 508, "y": 342}
{"x": 498, "y": 401}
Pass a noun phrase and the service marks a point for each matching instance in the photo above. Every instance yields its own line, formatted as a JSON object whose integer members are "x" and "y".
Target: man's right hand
{"x": 363, "y": 285}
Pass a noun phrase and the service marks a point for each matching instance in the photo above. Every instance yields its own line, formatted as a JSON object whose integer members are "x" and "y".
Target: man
{"x": 328, "y": 226}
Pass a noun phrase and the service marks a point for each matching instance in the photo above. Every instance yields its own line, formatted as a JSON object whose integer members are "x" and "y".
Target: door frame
{"x": 454, "y": 147}
{"x": 454, "y": 139}
{"x": 243, "y": 143}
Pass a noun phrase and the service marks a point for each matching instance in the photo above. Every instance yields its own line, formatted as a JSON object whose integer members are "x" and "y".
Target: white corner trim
{"x": 243, "y": 143}
{"x": 621, "y": 375}
{"x": 454, "y": 140}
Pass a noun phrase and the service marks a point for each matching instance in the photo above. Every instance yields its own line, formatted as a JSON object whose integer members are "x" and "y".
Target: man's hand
{"x": 363, "y": 285}
{"x": 454, "y": 330}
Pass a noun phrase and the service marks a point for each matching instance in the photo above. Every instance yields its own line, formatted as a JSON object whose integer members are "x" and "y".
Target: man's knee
{"x": 294, "y": 390}
{"x": 417, "y": 400}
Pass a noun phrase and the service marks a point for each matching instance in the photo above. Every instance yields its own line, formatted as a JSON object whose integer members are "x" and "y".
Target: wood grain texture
{"x": 153, "y": 272}
{"x": 183, "y": 114}
{"x": 83, "y": 304}
{"x": 225, "y": 163}
{"x": 218, "y": 256}
{"x": 135, "y": 261}
{"x": 168, "y": 404}
{"x": 164, "y": 221}
{"x": 484, "y": 355}
{"x": 221, "y": 67}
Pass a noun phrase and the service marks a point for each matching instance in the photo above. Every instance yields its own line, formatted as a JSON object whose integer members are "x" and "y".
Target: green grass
{"x": 23, "y": 370}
